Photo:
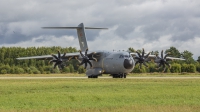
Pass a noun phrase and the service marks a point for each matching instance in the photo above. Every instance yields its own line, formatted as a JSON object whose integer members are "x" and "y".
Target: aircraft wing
{"x": 49, "y": 57}
{"x": 172, "y": 58}
{"x": 133, "y": 54}
{"x": 136, "y": 55}
{"x": 153, "y": 57}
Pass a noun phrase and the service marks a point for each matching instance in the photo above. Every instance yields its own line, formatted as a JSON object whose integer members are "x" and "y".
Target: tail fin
{"x": 80, "y": 32}
{"x": 81, "y": 37}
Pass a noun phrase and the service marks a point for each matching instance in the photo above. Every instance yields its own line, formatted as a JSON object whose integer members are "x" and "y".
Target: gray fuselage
{"x": 114, "y": 62}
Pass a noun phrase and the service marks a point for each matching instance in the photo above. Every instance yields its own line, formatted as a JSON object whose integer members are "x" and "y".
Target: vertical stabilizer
{"x": 81, "y": 34}
{"x": 82, "y": 37}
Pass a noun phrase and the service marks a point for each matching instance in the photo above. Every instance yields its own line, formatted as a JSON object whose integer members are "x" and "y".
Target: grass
{"x": 161, "y": 95}
{"x": 104, "y": 75}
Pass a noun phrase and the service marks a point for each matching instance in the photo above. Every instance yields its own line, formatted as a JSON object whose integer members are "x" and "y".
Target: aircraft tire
{"x": 92, "y": 76}
{"x": 117, "y": 75}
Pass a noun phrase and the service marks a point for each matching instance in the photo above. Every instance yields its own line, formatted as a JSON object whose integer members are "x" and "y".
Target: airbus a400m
{"x": 116, "y": 63}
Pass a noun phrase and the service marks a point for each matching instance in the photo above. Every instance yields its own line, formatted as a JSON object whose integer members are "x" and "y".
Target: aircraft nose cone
{"x": 128, "y": 63}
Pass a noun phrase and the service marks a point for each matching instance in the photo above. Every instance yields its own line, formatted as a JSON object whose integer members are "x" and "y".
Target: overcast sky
{"x": 149, "y": 24}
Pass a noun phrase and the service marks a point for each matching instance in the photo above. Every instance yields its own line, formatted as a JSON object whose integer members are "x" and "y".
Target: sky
{"x": 154, "y": 25}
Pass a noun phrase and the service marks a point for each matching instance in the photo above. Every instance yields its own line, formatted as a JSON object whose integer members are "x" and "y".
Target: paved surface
{"x": 153, "y": 77}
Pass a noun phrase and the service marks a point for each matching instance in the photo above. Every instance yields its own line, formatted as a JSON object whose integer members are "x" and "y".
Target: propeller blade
{"x": 167, "y": 64}
{"x": 159, "y": 65}
{"x": 52, "y": 61}
{"x": 147, "y": 55}
{"x": 58, "y": 60}
{"x": 94, "y": 59}
{"x": 142, "y": 58}
{"x": 157, "y": 56}
{"x": 59, "y": 66}
{"x": 55, "y": 56}
{"x": 55, "y": 65}
{"x": 86, "y": 59}
{"x": 162, "y": 54}
{"x": 85, "y": 65}
{"x": 140, "y": 65}
{"x": 163, "y": 64}
{"x": 166, "y": 55}
{"x": 81, "y": 53}
{"x": 138, "y": 53}
{"x": 145, "y": 64}
{"x": 162, "y": 61}
{"x": 136, "y": 62}
{"x": 143, "y": 52}
{"x": 59, "y": 54}
{"x": 137, "y": 58}
{"x": 90, "y": 63}
{"x": 86, "y": 52}
{"x": 63, "y": 55}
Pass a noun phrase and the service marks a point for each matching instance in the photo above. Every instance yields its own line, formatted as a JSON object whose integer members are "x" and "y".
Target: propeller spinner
{"x": 58, "y": 60}
{"x": 162, "y": 61}
{"x": 142, "y": 59}
{"x": 86, "y": 59}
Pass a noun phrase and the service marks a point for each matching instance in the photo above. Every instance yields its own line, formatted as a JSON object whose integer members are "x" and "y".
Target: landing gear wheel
{"x": 93, "y": 76}
{"x": 123, "y": 75}
{"x": 116, "y": 75}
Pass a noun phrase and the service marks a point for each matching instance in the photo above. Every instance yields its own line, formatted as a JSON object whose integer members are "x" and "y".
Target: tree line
{"x": 10, "y": 65}
{"x": 189, "y": 65}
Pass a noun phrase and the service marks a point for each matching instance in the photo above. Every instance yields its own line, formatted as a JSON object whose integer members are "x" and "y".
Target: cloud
{"x": 47, "y": 40}
{"x": 149, "y": 24}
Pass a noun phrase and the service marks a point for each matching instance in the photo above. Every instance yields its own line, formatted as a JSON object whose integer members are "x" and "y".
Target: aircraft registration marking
{"x": 80, "y": 34}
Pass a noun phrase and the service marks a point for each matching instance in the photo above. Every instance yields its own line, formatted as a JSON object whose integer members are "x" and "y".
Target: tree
{"x": 198, "y": 60}
{"x": 173, "y": 52}
{"x": 81, "y": 69}
{"x": 175, "y": 68}
{"x": 5, "y": 69}
{"x": 187, "y": 55}
{"x": 18, "y": 70}
{"x": 154, "y": 52}
{"x": 71, "y": 67}
{"x": 130, "y": 49}
{"x": 66, "y": 70}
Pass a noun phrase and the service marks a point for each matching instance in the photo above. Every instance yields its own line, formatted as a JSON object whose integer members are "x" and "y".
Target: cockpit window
{"x": 124, "y": 56}
{"x": 121, "y": 56}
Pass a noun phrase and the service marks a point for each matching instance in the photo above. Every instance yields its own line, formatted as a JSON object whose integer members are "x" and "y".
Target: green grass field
{"x": 104, "y": 75}
{"x": 134, "y": 95}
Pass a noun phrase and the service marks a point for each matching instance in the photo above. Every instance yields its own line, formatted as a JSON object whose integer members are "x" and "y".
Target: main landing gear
{"x": 121, "y": 75}
{"x": 93, "y": 76}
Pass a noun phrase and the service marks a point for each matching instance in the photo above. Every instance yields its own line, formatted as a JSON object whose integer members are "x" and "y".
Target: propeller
{"x": 162, "y": 60}
{"x": 58, "y": 60}
{"x": 86, "y": 59}
{"x": 141, "y": 58}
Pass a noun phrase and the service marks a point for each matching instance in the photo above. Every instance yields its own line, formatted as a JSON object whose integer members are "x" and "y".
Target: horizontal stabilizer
{"x": 73, "y": 28}
{"x": 80, "y": 32}
{"x": 95, "y": 28}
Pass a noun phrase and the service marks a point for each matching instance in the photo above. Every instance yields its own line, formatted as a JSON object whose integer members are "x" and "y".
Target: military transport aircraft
{"x": 115, "y": 63}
